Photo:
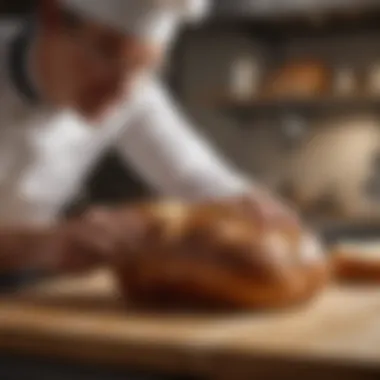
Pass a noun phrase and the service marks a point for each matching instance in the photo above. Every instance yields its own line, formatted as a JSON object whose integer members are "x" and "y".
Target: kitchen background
{"x": 288, "y": 90}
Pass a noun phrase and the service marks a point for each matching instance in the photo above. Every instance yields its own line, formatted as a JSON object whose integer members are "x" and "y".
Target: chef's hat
{"x": 155, "y": 20}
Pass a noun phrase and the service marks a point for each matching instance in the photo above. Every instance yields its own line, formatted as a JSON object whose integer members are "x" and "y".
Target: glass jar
{"x": 245, "y": 78}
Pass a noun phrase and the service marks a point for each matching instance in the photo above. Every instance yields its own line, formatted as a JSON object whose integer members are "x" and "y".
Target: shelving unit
{"x": 274, "y": 30}
{"x": 251, "y": 108}
{"x": 343, "y": 35}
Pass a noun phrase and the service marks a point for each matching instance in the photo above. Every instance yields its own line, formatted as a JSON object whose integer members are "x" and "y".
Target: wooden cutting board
{"x": 82, "y": 318}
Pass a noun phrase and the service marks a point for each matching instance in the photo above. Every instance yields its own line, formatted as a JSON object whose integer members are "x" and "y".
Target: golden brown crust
{"x": 355, "y": 265}
{"x": 215, "y": 255}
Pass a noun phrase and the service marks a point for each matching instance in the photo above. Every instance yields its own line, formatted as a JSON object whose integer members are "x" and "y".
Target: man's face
{"x": 89, "y": 67}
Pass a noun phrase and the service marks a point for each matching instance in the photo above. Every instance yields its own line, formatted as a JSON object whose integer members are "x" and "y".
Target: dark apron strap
{"x": 18, "y": 61}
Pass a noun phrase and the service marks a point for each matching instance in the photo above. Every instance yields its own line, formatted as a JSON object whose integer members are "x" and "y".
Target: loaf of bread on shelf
{"x": 357, "y": 261}
{"x": 298, "y": 79}
{"x": 213, "y": 255}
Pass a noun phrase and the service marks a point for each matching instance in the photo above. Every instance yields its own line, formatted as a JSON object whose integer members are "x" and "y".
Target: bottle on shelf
{"x": 345, "y": 81}
{"x": 245, "y": 78}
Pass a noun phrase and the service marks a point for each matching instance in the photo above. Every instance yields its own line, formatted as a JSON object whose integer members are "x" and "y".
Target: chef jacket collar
{"x": 19, "y": 63}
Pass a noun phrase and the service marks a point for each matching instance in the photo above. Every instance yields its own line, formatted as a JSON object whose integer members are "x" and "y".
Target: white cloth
{"x": 45, "y": 155}
{"x": 156, "y": 20}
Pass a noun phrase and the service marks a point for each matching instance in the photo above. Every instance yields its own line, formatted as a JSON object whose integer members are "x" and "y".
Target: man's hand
{"x": 262, "y": 205}
{"x": 71, "y": 246}
{"x": 108, "y": 235}
{"x": 77, "y": 246}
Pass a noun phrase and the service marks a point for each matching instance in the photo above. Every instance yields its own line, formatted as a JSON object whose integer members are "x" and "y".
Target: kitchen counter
{"x": 82, "y": 319}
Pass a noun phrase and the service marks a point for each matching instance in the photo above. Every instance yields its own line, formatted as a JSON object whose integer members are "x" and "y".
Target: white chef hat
{"x": 155, "y": 20}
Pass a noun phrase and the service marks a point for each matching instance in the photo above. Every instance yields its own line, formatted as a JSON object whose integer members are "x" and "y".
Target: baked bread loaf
{"x": 215, "y": 255}
{"x": 357, "y": 262}
{"x": 299, "y": 79}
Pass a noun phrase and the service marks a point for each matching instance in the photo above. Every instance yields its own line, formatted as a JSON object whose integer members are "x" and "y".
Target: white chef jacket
{"x": 46, "y": 153}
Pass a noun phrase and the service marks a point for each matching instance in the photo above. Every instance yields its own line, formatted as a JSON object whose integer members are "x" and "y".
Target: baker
{"x": 83, "y": 78}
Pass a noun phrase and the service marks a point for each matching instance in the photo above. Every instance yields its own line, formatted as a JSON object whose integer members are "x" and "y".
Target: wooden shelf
{"x": 252, "y": 107}
{"x": 279, "y": 25}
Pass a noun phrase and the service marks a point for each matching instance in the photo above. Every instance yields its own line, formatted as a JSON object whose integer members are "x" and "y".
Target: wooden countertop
{"x": 83, "y": 319}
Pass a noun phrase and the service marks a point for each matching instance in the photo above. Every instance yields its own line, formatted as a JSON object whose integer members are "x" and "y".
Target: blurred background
{"x": 289, "y": 90}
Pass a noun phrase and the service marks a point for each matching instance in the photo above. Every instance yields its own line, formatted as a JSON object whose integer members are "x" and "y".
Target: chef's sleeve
{"x": 162, "y": 147}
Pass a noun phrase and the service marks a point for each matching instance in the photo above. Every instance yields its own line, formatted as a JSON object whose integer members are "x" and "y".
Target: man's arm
{"x": 171, "y": 157}
{"x": 69, "y": 246}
